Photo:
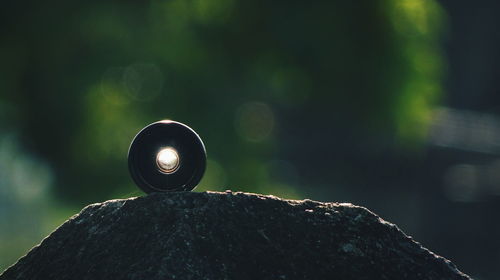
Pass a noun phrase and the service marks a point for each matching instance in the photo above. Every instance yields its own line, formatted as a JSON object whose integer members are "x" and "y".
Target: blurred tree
{"x": 271, "y": 87}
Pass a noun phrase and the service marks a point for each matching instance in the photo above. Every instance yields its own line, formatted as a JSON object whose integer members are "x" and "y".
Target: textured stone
{"x": 213, "y": 235}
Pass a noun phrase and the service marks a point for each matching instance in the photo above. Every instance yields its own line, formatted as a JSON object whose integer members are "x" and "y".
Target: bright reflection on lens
{"x": 167, "y": 160}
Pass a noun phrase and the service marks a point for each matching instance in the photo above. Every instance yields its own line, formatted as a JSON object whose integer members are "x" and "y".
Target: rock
{"x": 212, "y": 235}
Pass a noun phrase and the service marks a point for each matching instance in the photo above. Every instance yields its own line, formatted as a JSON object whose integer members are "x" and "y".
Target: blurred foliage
{"x": 258, "y": 80}
{"x": 79, "y": 80}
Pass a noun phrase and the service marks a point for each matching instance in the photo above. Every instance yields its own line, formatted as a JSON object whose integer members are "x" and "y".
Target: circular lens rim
{"x": 196, "y": 149}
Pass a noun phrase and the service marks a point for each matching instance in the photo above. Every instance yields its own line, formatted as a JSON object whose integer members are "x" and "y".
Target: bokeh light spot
{"x": 254, "y": 121}
{"x": 143, "y": 82}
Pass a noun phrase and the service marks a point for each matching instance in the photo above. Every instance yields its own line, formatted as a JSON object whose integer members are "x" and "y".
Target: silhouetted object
{"x": 167, "y": 156}
{"x": 188, "y": 235}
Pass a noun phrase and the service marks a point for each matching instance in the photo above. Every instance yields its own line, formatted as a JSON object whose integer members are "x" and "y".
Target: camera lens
{"x": 167, "y": 156}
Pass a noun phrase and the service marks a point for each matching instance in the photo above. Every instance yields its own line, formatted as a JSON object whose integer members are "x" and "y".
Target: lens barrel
{"x": 167, "y": 156}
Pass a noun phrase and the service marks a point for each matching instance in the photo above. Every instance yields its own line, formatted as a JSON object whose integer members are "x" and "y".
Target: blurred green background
{"x": 330, "y": 100}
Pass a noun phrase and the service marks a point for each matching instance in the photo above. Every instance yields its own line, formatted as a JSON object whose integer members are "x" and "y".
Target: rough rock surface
{"x": 211, "y": 235}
